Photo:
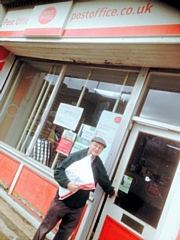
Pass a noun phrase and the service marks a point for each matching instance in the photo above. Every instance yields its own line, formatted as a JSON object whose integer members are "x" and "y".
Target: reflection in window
{"x": 163, "y": 100}
{"x": 96, "y": 98}
{"x": 25, "y": 101}
{"x": 94, "y": 90}
{"x": 148, "y": 177}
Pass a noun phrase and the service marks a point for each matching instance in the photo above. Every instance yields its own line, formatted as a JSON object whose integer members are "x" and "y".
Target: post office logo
{"x": 47, "y": 15}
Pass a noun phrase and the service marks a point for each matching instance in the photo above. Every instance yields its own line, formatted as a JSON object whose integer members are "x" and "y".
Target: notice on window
{"x": 68, "y": 116}
{"x": 84, "y": 136}
{"x": 66, "y": 142}
{"x": 107, "y": 128}
{"x": 125, "y": 184}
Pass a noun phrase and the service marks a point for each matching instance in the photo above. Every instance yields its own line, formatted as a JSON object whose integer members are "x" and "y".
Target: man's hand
{"x": 73, "y": 187}
{"x": 115, "y": 194}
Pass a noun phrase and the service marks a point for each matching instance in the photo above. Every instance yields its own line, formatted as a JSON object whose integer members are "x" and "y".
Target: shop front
{"x": 62, "y": 84}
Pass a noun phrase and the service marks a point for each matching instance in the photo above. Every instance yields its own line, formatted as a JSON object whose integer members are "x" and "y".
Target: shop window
{"x": 162, "y": 99}
{"x": 102, "y": 90}
{"x": 92, "y": 89}
{"x": 25, "y": 100}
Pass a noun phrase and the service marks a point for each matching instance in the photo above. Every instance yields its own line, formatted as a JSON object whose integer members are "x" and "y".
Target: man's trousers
{"x": 59, "y": 211}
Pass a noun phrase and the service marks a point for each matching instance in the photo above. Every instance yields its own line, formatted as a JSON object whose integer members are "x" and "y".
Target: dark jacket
{"x": 79, "y": 199}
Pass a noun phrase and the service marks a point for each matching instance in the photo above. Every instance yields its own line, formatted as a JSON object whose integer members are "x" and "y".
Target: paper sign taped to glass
{"x": 80, "y": 172}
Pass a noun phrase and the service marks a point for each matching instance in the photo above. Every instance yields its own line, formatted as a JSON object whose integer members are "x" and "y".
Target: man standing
{"x": 70, "y": 209}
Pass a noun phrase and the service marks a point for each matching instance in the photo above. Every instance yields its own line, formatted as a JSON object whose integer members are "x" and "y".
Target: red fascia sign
{"x": 15, "y": 22}
{"x": 93, "y": 19}
{"x": 122, "y": 19}
{"x": 48, "y": 20}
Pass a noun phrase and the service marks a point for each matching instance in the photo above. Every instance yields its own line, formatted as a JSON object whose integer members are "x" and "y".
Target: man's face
{"x": 95, "y": 148}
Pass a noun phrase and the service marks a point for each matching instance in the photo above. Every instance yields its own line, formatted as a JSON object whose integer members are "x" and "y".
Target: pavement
{"x": 12, "y": 225}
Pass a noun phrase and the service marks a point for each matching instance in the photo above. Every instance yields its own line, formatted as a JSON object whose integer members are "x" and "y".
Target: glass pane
{"x": 101, "y": 93}
{"x": 148, "y": 177}
{"x": 162, "y": 102}
{"x": 26, "y": 99}
{"x": 32, "y": 86}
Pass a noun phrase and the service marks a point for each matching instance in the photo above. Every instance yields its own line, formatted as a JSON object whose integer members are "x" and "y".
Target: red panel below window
{"x": 113, "y": 230}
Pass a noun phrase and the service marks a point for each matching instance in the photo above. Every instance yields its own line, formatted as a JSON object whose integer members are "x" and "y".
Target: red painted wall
{"x": 113, "y": 230}
{"x": 8, "y": 169}
{"x": 35, "y": 190}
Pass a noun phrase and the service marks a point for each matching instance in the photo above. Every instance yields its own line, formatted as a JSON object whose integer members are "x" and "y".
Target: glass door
{"x": 144, "y": 181}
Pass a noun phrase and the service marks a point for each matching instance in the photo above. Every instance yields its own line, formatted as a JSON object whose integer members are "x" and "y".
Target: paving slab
{"x": 12, "y": 225}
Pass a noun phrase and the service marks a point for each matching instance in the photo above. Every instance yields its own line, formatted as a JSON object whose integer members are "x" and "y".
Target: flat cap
{"x": 99, "y": 140}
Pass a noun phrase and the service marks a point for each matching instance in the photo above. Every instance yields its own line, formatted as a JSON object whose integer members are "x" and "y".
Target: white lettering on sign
{"x": 105, "y": 12}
